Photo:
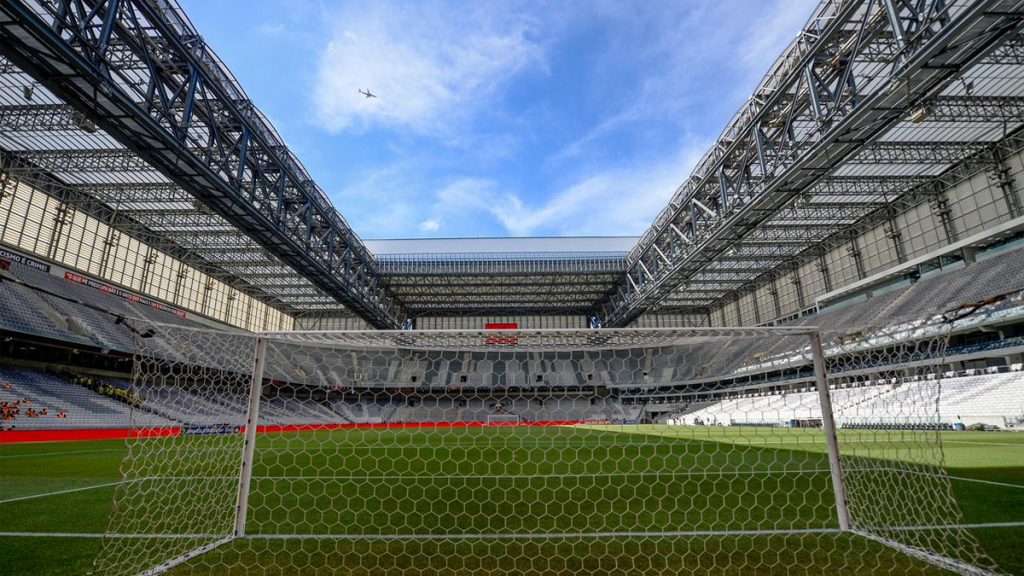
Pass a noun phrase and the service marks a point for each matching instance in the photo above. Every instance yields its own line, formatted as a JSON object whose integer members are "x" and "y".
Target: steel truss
{"x": 930, "y": 191}
{"x": 145, "y": 77}
{"x": 192, "y": 237}
{"x": 524, "y": 293}
{"x": 859, "y": 71}
{"x": 471, "y": 284}
{"x": 478, "y": 265}
{"x": 73, "y": 161}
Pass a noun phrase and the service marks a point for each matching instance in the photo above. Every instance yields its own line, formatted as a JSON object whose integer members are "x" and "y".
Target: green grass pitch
{"x": 503, "y": 481}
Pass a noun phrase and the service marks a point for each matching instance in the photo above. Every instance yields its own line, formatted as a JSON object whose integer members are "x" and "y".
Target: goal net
{"x": 672, "y": 451}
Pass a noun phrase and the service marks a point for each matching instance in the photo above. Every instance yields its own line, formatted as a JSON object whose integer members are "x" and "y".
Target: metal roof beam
{"x": 930, "y": 152}
{"x": 975, "y": 109}
{"x": 67, "y": 161}
{"x": 813, "y": 112}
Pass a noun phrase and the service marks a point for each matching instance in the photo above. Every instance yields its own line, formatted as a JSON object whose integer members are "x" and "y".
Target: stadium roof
{"x": 553, "y": 247}
{"x": 130, "y": 117}
{"x": 479, "y": 276}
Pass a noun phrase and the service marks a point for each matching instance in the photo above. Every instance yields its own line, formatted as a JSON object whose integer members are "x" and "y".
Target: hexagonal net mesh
{"x": 690, "y": 451}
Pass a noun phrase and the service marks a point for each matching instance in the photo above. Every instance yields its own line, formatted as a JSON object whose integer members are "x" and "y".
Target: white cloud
{"x": 430, "y": 225}
{"x": 429, "y": 64}
{"x": 613, "y": 202}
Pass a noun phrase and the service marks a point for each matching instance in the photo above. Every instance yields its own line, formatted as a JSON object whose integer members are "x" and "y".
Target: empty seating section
{"x": 18, "y": 315}
{"x": 858, "y": 314}
{"x": 976, "y": 398}
{"x": 965, "y": 398}
{"x": 434, "y": 409}
{"x": 438, "y": 379}
{"x": 280, "y": 410}
{"x": 96, "y": 325}
{"x": 24, "y": 310}
{"x": 170, "y": 401}
{"x": 49, "y": 313}
{"x": 933, "y": 294}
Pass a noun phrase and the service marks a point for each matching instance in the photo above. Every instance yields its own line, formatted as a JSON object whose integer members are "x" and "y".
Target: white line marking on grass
{"x": 62, "y": 453}
{"x": 1019, "y": 524}
{"x": 543, "y": 535}
{"x": 512, "y": 536}
{"x": 970, "y": 443}
{"x": 531, "y": 476}
{"x": 102, "y": 535}
{"x": 258, "y": 478}
{"x": 69, "y": 491}
{"x": 50, "y": 535}
{"x": 992, "y": 482}
{"x": 951, "y": 477}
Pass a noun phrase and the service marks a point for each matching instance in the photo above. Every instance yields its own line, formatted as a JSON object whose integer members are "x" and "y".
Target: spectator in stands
{"x": 11, "y": 410}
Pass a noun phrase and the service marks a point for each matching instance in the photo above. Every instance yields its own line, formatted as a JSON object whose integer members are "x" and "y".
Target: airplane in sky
{"x": 367, "y": 93}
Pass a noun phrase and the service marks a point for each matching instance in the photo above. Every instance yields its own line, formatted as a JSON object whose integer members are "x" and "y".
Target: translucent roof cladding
{"x": 566, "y": 246}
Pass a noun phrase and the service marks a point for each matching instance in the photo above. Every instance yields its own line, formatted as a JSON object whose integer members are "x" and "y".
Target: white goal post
{"x": 570, "y": 452}
{"x": 503, "y": 419}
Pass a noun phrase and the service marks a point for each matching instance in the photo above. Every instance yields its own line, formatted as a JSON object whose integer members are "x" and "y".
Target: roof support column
{"x": 1002, "y": 177}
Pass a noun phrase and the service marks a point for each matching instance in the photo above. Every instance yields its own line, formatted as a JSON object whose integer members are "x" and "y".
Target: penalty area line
{"x": 59, "y": 492}
{"x": 61, "y": 453}
{"x": 102, "y": 535}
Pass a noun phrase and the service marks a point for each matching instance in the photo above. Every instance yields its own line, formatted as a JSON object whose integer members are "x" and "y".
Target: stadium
{"x": 811, "y": 362}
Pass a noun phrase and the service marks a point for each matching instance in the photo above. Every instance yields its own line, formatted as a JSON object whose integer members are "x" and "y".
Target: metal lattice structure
{"x": 873, "y": 102}
{"x": 120, "y": 111}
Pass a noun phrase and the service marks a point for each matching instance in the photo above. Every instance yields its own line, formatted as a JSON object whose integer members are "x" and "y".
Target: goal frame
{"x": 503, "y": 420}
{"x": 820, "y": 379}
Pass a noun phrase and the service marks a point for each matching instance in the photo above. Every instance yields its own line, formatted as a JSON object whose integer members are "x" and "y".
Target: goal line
{"x": 511, "y": 536}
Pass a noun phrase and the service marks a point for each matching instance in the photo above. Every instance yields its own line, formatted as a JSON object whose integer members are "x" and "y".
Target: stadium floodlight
{"x": 88, "y": 125}
{"x": 537, "y": 452}
{"x": 84, "y": 123}
{"x": 920, "y": 114}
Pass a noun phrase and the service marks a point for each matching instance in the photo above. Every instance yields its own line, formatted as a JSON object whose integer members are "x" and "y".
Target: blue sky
{"x": 499, "y": 118}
